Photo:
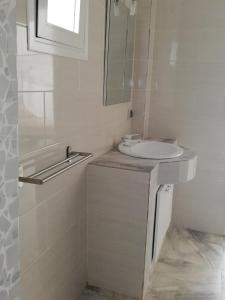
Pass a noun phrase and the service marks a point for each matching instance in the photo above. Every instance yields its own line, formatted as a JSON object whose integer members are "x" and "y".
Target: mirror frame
{"x": 109, "y": 4}
{"x": 106, "y": 50}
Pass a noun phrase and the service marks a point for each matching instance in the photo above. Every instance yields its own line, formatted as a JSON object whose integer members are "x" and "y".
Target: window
{"x": 59, "y": 27}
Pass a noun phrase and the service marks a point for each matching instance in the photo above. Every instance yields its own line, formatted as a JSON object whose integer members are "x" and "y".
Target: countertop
{"x": 115, "y": 159}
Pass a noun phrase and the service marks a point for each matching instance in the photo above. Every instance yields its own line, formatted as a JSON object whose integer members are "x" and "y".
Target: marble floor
{"x": 191, "y": 267}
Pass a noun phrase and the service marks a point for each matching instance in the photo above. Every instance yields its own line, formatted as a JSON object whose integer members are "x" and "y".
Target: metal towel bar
{"x": 72, "y": 159}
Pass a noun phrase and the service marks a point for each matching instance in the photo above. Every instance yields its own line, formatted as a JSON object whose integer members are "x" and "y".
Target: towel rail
{"x": 72, "y": 159}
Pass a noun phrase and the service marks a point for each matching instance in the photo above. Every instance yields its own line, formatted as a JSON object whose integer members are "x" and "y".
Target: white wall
{"x": 60, "y": 103}
{"x": 188, "y": 102}
{"x": 143, "y": 62}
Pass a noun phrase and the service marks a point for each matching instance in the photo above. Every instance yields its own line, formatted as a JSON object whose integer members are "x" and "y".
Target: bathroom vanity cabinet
{"x": 129, "y": 202}
{"x": 121, "y": 209}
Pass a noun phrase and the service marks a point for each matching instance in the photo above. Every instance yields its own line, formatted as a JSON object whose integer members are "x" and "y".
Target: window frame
{"x": 78, "y": 49}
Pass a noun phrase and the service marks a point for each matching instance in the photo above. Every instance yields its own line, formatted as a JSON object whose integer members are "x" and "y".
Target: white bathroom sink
{"x": 151, "y": 149}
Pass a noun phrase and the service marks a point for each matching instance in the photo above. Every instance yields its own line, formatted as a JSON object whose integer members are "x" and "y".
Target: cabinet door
{"x": 117, "y": 202}
{"x": 153, "y": 187}
{"x": 163, "y": 217}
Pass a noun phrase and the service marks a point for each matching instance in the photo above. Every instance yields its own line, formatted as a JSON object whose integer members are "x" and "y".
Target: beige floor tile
{"x": 191, "y": 267}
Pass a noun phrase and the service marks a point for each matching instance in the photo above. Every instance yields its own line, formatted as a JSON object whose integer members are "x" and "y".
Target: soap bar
{"x": 132, "y": 136}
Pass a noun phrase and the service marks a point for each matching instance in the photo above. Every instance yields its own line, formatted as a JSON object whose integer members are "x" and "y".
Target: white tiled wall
{"x": 188, "y": 102}
{"x": 143, "y": 61}
{"x": 60, "y": 103}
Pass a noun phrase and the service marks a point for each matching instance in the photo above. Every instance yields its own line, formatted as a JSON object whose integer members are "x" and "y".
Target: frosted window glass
{"x": 64, "y": 14}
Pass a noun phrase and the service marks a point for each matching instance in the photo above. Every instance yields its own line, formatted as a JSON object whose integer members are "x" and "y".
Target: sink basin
{"x": 151, "y": 150}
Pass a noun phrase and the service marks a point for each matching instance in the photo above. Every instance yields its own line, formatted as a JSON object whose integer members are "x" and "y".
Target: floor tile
{"x": 191, "y": 267}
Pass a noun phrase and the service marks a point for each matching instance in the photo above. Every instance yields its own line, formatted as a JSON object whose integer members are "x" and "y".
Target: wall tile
{"x": 66, "y": 98}
{"x": 64, "y": 211}
{"x": 91, "y": 71}
{"x": 35, "y": 73}
{"x": 31, "y": 122}
{"x": 34, "y": 235}
{"x": 143, "y": 64}
{"x": 187, "y": 102}
{"x": 55, "y": 274}
{"x": 9, "y": 245}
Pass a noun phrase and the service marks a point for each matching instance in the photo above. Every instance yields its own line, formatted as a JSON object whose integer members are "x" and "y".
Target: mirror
{"x": 119, "y": 51}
